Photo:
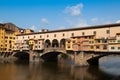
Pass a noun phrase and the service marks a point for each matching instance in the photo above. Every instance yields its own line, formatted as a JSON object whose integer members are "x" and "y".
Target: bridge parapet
{"x": 54, "y": 49}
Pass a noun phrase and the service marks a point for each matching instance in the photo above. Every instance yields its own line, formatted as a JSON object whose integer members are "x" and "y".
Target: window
{"x": 47, "y": 35}
{"x": 10, "y": 46}
{"x": 75, "y": 46}
{"x": 10, "y": 42}
{"x": 105, "y": 47}
{"x": 112, "y": 47}
{"x": 68, "y": 41}
{"x": 97, "y": 41}
{"x": 118, "y": 41}
{"x": 108, "y": 31}
{"x": 54, "y": 35}
{"x": 92, "y": 42}
{"x": 118, "y": 48}
{"x": 97, "y": 47}
{"x": 83, "y": 33}
{"x": 92, "y": 47}
{"x": 6, "y": 37}
{"x": 104, "y": 41}
{"x": 72, "y": 34}
{"x": 10, "y": 37}
{"x": 63, "y": 34}
{"x": 35, "y": 46}
{"x": 73, "y": 41}
{"x": 68, "y": 46}
{"x": 94, "y": 32}
{"x": 40, "y": 36}
{"x": 5, "y": 45}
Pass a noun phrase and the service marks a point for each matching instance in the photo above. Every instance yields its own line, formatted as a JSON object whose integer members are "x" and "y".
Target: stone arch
{"x": 62, "y": 43}
{"x": 22, "y": 55}
{"x": 55, "y": 43}
{"x": 52, "y": 56}
{"x": 47, "y": 43}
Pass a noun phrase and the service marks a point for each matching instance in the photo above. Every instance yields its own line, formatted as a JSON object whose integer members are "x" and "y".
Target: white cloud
{"x": 74, "y": 10}
{"x": 61, "y": 27}
{"x": 77, "y": 23}
{"x": 1, "y": 21}
{"x": 81, "y": 23}
{"x": 118, "y": 21}
{"x": 108, "y": 22}
{"x": 94, "y": 20}
{"x": 44, "y": 21}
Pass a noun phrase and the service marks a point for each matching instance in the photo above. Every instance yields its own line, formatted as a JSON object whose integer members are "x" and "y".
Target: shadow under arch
{"x": 51, "y": 56}
{"x": 22, "y": 55}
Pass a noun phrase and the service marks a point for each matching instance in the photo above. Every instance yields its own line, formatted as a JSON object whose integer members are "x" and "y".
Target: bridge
{"x": 84, "y": 45}
{"x": 82, "y": 58}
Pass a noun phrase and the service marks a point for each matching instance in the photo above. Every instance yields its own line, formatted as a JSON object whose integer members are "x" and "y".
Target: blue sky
{"x": 59, "y": 14}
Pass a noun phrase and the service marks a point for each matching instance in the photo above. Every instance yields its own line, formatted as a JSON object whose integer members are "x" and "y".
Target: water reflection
{"x": 57, "y": 71}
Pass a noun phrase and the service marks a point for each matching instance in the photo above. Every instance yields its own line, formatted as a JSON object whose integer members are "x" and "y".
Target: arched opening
{"x": 47, "y": 43}
{"x": 53, "y": 56}
{"x": 55, "y": 43}
{"x": 62, "y": 43}
{"x": 22, "y": 55}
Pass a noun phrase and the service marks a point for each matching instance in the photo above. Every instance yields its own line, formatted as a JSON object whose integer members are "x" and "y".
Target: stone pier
{"x": 84, "y": 59}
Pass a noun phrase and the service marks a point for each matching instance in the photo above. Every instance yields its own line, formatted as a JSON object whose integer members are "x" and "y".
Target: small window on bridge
{"x": 40, "y": 36}
{"x": 47, "y": 35}
{"x": 72, "y": 34}
{"x": 112, "y": 48}
{"x": 54, "y": 35}
{"x": 68, "y": 46}
{"x": 63, "y": 34}
{"x": 83, "y": 33}
{"x": 97, "y": 47}
{"x": 118, "y": 41}
{"x": 118, "y": 48}
{"x": 107, "y": 31}
{"x": 94, "y": 32}
{"x": 92, "y": 47}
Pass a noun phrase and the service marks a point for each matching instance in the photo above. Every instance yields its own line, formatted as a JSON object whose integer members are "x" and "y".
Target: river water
{"x": 108, "y": 69}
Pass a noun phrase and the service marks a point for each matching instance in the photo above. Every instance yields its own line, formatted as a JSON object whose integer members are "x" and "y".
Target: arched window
{"x": 55, "y": 43}
{"x": 47, "y": 43}
{"x": 62, "y": 43}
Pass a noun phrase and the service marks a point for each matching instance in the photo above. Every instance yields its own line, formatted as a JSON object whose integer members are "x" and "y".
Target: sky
{"x": 59, "y": 14}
